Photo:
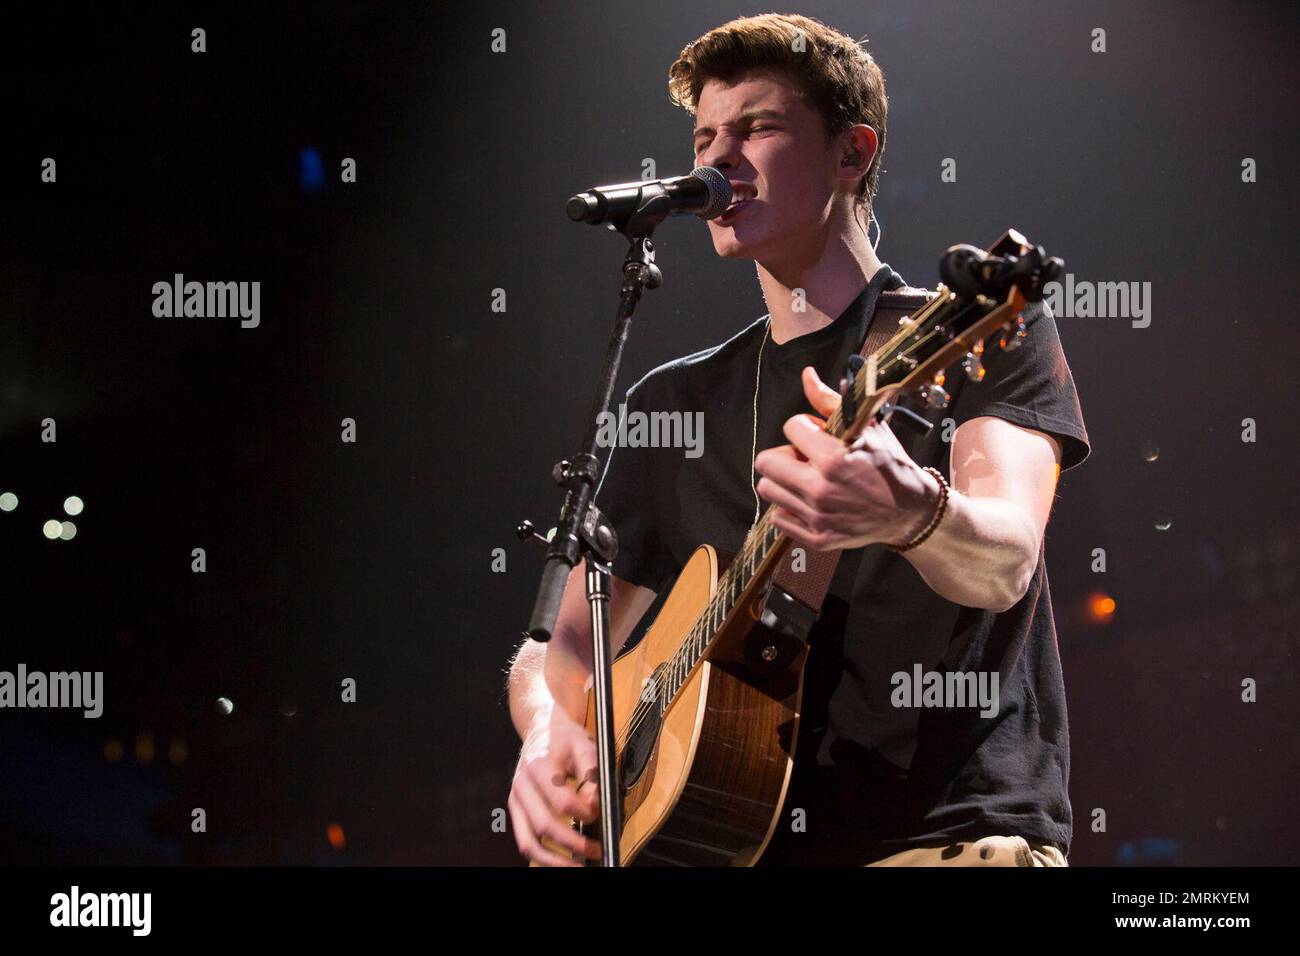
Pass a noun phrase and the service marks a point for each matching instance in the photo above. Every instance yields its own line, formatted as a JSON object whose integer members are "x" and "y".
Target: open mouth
{"x": 743, "y": 194}
{"x": 732, "y": 211}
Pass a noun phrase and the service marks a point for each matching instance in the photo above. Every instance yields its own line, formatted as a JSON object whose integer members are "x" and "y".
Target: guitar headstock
{"x": 983, "y": 298}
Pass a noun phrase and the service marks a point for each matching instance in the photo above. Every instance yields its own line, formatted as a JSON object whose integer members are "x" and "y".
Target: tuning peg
{"x": 973, "y": 367}
{"x": 1014, "y": 337}
{"x": 933, "y": 393}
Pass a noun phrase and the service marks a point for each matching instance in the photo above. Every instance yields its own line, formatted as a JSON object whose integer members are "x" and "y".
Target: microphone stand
{"x": 582, "y": 532}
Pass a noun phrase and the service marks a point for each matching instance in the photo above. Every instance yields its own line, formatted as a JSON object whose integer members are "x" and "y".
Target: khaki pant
{"x": 986, "y": 851}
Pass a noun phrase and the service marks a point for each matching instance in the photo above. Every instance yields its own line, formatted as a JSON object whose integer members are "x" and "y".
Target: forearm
{"x": 983, "y": 553}
{"x": 543, "y": 677}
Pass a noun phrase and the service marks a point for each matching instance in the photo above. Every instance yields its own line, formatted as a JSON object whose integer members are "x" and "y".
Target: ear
{"x": 858, "y": 146}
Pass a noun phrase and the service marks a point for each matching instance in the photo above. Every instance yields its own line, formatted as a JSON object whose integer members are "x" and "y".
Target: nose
{"x": 723, "y": 153}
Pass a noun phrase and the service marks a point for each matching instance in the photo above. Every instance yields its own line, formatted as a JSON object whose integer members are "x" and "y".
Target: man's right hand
{"x": 556, "y": 748}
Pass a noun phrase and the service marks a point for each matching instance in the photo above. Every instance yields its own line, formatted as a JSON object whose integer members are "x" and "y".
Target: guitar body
{"x": 707, "y": 788}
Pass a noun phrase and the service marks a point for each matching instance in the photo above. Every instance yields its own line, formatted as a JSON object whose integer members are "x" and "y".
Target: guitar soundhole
{"x": 643, "y": 735}
{"x": 642, "y": 739}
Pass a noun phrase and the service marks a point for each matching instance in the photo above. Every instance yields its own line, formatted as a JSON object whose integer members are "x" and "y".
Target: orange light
{"x": 1101, "y": 607}
{"x": 335, "y": 834}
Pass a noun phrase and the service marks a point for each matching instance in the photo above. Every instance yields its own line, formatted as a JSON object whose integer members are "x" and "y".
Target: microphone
{"x": 704, "y": 193}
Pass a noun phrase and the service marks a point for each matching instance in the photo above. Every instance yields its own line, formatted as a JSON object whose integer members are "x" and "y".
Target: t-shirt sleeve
{"x": 1030, "y": 386}
{"x": 630, "y": 495}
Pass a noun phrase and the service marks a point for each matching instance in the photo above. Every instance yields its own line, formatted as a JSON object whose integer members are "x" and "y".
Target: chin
{"x": 731, "y": 250}
{"x": 730, "y": 246}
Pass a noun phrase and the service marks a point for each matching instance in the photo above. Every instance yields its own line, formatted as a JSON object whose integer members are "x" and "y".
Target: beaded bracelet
{"x": 939, "y": 511}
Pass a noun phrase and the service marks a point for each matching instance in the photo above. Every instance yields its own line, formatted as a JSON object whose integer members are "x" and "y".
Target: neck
{"x": 826, "y": 279}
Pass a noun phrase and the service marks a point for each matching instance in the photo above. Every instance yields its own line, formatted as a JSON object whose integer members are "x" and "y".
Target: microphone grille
{"x": 719, "y": 190}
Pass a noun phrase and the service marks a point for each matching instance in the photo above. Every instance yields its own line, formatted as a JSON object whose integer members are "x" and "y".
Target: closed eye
{"x": 704, "y": 144}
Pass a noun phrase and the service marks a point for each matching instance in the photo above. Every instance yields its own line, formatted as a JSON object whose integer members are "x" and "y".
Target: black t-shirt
{"x": 871, "y": 778}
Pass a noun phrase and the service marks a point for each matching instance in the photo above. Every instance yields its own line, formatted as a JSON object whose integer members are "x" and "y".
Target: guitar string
{"x": 643, "y": 709}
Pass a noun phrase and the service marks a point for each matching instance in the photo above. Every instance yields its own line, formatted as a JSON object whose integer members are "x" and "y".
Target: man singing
{"x": 931, "y": 579}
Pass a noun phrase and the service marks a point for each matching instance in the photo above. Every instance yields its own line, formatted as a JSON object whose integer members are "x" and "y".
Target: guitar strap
{"x": 809, "y": 585}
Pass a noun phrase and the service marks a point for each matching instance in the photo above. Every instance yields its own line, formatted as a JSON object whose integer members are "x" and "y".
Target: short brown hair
{"x": 836, "y": 74}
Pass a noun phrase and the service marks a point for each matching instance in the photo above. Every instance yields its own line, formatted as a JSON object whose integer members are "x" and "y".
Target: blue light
{"x": 1149, "y": 851}
{"x": 311, "y": 171}
{"x": 1211, "y": 560}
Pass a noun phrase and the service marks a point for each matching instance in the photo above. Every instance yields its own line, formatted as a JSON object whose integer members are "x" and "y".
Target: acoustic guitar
{"x": 706, "y": 704}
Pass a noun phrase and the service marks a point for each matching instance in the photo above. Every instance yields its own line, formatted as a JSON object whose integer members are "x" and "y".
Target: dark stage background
{"x": 372, "y": 560}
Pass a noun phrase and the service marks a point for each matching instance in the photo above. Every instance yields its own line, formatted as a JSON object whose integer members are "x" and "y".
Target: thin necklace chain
{"x": 753, "y": 448}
